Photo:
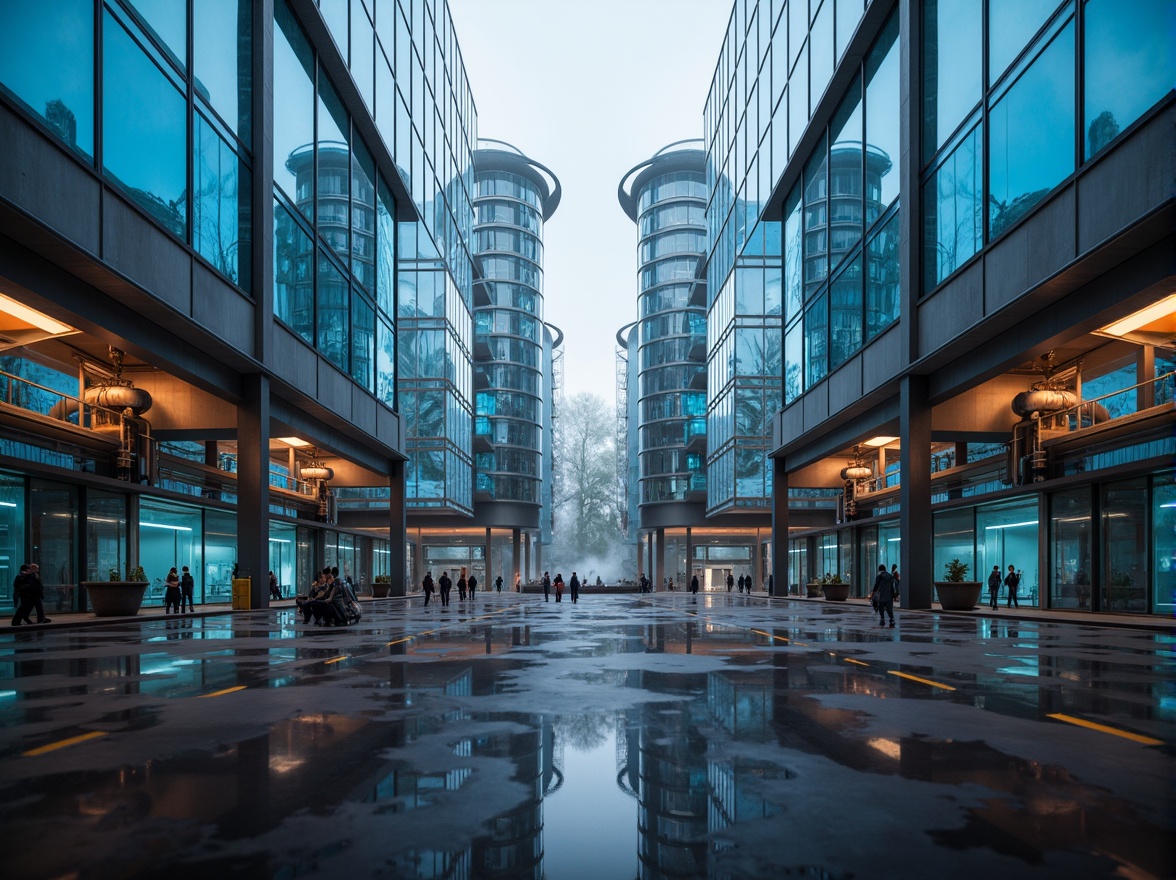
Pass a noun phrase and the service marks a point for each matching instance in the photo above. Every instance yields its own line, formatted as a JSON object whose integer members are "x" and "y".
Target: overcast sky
{"x": 590, "y": 89}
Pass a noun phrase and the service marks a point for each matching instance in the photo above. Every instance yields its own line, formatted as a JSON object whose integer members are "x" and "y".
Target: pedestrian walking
{"x": 574, "y": 587}
{"x": 498, "y": 584}
{"x": 546, "y": 587}
{"x": 897, "y": 580}
{"x": 473, "y": 585}
{"x": 171, "y": 591}
{"x": 446, "y": 585}
{"x": 884, "y": 594}
{"x": 694, "y": 587}
{"x": 274, "y": 587}
{"x": 518, "y": 583}
{"x": 994, "y": 586}
{"x": 559, "y": 587}
{"x": 1012, "y": 581}
{"x": 461, "y": 584}
{"x": 731, "y": 582}
{"x": 187, "y": 588}
{"x": 428, "y": 586}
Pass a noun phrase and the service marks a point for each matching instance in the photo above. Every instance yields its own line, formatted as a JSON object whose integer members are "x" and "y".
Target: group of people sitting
{"x": 330, "y": 601}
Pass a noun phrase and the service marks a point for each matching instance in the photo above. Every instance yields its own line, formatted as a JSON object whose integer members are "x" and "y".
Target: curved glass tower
{"x": 514, "y": 196}
{"x": 666, "y": 197}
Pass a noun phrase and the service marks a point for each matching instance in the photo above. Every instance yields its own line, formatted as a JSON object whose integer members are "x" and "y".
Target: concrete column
{"x": 526, "y": 558}
{"x": 779, "y": 528}
{"x": 689, "y": 558}
{"x": 397, "y": 530}
{"x": 418, "y": 568}
{"x": 253, "y": 495}
{"x": 659, "y": 558}
{"x": 257, "y": 231}
{"x": 516, "y": 554}
{"x": 1145, "y": 371}
{"x": 133, "y": 529}
{"x": 915, "y": 558}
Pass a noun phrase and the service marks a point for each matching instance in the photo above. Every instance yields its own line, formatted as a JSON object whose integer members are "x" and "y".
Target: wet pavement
{"x": 623, "y": 737}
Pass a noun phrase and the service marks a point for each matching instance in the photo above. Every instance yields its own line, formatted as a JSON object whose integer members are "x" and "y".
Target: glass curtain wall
{"x": 1057, "y": 74}
{"x": 1007, "y": 534}
{"x": 12, "y": 530}
{"x": 172, "y": 535}
{"x": 106, "y": 536}
{"x": 1163, "y": 514}
{"x": 283, "y": 557}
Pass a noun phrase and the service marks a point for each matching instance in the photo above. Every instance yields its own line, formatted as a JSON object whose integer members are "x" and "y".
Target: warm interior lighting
{"x": 888, "y": 747}
{"x": 32, "y": 317}
{"x": 879, "y": 441}
{"x": 1155, "y": 324}
{"x": 296, "y": 442}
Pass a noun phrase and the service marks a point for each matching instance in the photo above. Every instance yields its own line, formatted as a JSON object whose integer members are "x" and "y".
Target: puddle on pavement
{"x": 463, "y": 754}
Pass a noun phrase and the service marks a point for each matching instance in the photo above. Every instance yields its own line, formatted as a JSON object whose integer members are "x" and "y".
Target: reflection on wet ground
{"x": 622, "y": 737}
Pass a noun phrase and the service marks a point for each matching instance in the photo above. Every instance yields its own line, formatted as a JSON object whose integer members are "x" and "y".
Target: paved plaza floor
{"x": 621, "y": 737}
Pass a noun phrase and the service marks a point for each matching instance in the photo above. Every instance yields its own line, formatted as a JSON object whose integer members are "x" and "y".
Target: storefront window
{"x": 889, "y": 545}
{"x": 106, "y": 535}
{"x": 282, "y": 550}
{"x": 955, "y": 538}
{"x": 53, "y": 517}
{"x": 220, "y": 555}
{"x": 797, "y": 566}
{"x": 306, "y": 564}
{"x": 1163, "y": 545}
{"x": 12, "y": 534}
{"x": 1006, "y": 534}
{"x": 1070, "y": 543}
{"x": 830, "y": 559}
{"x": 1124, "y": 525}
{"x": 867, "y": 560}
{"x": 169, "y": 535}
{"x": 845, "y": 555}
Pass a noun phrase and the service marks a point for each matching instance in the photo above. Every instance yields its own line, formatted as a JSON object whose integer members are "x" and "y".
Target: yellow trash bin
{"x": 242, "y": 593}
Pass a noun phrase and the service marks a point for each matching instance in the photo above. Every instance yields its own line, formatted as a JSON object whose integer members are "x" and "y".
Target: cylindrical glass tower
{"x": 666, "y": 197}
{"x": 514, "y": 196}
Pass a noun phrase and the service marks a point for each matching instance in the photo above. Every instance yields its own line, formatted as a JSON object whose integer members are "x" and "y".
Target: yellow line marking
{"x": 1102, "y": 728}
{"x": 927, "y": 681}
{"x": 854, "y": 662}
{"x": 760, "y": 632}
{"x": 399, "y": 641}
{"x": 339, "y": 659}
{"x": 239, "y": 687}
{"x": 61, "y": 744}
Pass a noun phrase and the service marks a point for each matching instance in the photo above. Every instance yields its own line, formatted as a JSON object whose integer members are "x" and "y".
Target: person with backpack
{"x": 994, "y": 586}
{"x": 884, "y": 594}
{"x": 1012, "y": 580}
{"x": 473, "y": 585}
{"x": 446, "y": 585}
{"x": 427, "y": 586}
{"x": 498, "y": 584}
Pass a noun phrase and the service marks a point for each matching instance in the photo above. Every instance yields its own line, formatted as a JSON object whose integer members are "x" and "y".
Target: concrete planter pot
{"x": 813, "y": 590}
{"x": 381, "y": 591}
{"x": 115, "y": 598}
{"x": 961, "y": 596}
{"x": 836, "y": 592}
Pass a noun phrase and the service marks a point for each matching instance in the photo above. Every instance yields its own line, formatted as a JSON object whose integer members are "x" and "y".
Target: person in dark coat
{"x": 473, "y": 585}
{"x": 171, "y": 591}
{"x": 446, "y": 585}
{"x": 694, "y": 587}
{"x": 187, "y": 588}
{"x": 1012, "y": 581}
{"x": 730, "y": 582}
{"x": 318, "y": 591}
{"x": 559, "y": 585}
{"x": 427, "y": 586}
{"x": 574, "y": 586}
{"x": 546, "y": 586}
{"x": 274, "y": 587}
{"x": 884, "y": 594}
{"x": 994, "y": 582}
{"x": 498, "y": 584}
{"x": 461, "y": 585}
{"x": 21, "y": 597}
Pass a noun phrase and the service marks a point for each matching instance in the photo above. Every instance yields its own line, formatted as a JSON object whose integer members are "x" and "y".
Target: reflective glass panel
{"x": 221, "y": 184}
{"x": 816, "y": 342}
{"x": 882, "y": 277}
{"x": 223, "y": 58}
{"x": 386, "y": 252}
{"x": 220, "y": 555}
{"x": 798, "y": 101}
{"x": 12, "y": 536}
{"x": 170, "y": 535}
{"x": 1071, "y": 549}
{"x": 334, "y": 168}
{"x": 144, "y": 129}
{"x": 167, "y": 20}
{"x": 953, "y": 204}
{"x": 845, "y": 312}
{"x": 293, "y": 274}
{"x": 1031, "y": 135}
{"x": 1163, "y": 544}
{"x": 793, "y": 273}
{"x": 1125, "y": 573}
{"x": 1011, "y": 25}
{"x": 386, "y": 363}
{"x": 845, "y": 176}
{"x": 293, "y": 110}
{"x": 60, "y": 93}
{"x": 952, "y": 53}
{"x": 1007, "y": 534}
{"x": 363, "y": 340}
{"x": 882, "y": 122}
{"x": 331, "y": 312}
{"x": 53, "y": 515}
{"x": 954, "y": 539}
{"x": 1129, "y": 57}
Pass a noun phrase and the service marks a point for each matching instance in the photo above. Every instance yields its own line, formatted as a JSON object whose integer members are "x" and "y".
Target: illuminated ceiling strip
{"x": 927, "y": 681}
{"x": 1102, "y": 728}
{"x": 239, "y": 687}
{"x": 61, "y": 744}
{"x": 31, "y": 316}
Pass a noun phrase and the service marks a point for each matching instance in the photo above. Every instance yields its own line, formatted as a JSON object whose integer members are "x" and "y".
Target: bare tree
{"x": 587, "y": 520}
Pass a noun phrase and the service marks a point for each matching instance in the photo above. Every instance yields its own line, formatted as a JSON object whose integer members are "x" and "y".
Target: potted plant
{"x": 835, "y": 589}
{"x": 118, "y": 596}
{"x": 956, "y": 593}
{"x": 381, "y": 586}
{"x": 813, "y": 588}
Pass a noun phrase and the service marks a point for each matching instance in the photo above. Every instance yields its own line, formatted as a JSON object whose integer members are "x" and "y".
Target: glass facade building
{"x": 943, "y": 213}
{"x": 262, "y": 192}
